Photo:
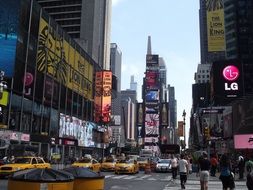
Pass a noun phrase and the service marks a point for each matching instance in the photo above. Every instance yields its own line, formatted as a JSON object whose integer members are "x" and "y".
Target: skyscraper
{"x": 133, "y": 84}
{"x": 88, "y": 22}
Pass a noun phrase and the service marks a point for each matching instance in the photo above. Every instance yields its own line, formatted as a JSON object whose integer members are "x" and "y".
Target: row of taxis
{"x": 122, "y": 165}
{"x": 22, "y": 163}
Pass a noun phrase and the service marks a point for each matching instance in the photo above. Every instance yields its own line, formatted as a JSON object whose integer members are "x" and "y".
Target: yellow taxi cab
{"x": 22, "y": 163}
{"x": 127, "y": 166}
{"x": 142, "y": 162}
{"x": 90, "y": 163}
{"x": 108, "y": 164}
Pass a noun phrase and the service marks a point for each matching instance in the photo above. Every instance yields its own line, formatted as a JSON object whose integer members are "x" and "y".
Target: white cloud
{"x": 116, "y": 2}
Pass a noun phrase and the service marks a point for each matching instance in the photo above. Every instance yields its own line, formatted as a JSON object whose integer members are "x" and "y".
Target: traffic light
{"x": 207, "y": 133}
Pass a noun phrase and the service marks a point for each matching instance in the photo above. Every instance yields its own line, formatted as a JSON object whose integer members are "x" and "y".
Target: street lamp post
{"x": 184, "y": 114}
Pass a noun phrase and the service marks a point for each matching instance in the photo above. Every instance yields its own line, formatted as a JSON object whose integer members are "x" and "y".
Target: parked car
{"x": 108, "y": 164}
{"x": 127, "y": 166}
{"x": 90, "y": 163}
{"x": 163, "y": 165}
{"x": 22, "y": 163}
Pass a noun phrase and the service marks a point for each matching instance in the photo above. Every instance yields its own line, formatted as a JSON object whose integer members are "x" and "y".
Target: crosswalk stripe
{"x": 130, "y": 177}
{"x": 119, "y": 177}
{"x": 145, "y": 176}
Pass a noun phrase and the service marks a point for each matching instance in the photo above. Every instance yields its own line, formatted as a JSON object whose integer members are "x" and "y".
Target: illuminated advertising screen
{"x": 218, "y": 120}
{"x": 152, "y": 124}
{"x": 152, "y": 108}
{"x": 152, "y": 62}
{"x": 103, "y": 90}
{"x": 243, "y": 141}
{"x": 151, "y": 79}
{"x": 64, "y": 61}
{"x": 215, "y": 25}
{"x": 226, "y": 82}
{"x": 243, "y": 116}
{"x": 9, "y": 19}
{"x": 74, "y": 128}
{"x": 152, "y": 95}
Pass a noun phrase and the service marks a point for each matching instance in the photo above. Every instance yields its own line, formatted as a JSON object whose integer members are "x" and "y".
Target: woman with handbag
{"x": 226, "y": 175}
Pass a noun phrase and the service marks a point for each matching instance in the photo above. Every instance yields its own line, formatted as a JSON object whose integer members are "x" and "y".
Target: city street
{"x": 153, "y": 181}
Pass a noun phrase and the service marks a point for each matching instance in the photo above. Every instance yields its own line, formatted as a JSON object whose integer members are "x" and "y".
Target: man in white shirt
{"x": 174, "y": 167}
{"x": 183, "y": 170}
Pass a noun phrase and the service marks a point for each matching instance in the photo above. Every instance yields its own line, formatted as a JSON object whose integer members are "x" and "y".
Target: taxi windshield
{"x": 22, "y": 160}
{"x": 142, "y": 159}
{"x": 110, "y": 160}
{"x": 126, "y": 161}
{"x": 85, "y": 160}
{"x": 164, "y": 161}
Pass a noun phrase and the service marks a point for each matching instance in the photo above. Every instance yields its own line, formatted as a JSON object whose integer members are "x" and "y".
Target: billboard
{"x": 243, "y": 116}
{"x": 180, "y": 129}
{"x": 218, "y": 120}
{"x": 9, "y": 19}
{"x": 164, "y": 114}
{"x": 63, "y": 60}
{"x": 103, "y": 90}
{"x": 152, "y": 124}
{"x": 74, "y": 128}
{"x": 243, "y": 141}
{"x": 226, "y": 82}
{"x": 215, "y": 25}
{"x": 152, "y": 62}
{"x": 152, "y": 95}
{"x": 152, "y": 80}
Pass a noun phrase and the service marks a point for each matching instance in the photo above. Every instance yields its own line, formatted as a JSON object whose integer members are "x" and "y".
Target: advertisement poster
{"x": 243, "y": 141}
{"x": 218, "y": 120}
{"x": 215, "y": 25}
{"x": 74, "y": 128}
{"x": 9, "y": 19}
{"x": 152, "y": 124}
{"x": 103, "y": 92}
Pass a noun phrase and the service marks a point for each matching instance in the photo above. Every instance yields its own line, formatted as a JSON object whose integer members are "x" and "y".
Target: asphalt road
{"x": 153, "y": 181}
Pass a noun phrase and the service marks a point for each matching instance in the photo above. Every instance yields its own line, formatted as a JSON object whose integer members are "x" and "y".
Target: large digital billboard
{"x": 152, "y": 80}
{"x": 152, "y": 62}
{"x": 151, "y": 124}
{"x": 9, "y": 19}
{"x": 218, "y": 120}
{"x": 74, "y": 128}
{"x": 215, "y": 25}
{"x": 63, "y": 60}
{"x": 243, "y": 141}
{"x": 103, "y": 90}
{"x": 152, "y": 95}
{"x": 226, "y": 83}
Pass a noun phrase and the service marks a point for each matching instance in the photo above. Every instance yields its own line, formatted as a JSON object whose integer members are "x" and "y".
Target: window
{"x": 34, "y": 161}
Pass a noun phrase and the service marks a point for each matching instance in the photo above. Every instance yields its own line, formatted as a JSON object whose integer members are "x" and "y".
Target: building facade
{"x": 49, "y": 102}
{"x": 88, "y": 22}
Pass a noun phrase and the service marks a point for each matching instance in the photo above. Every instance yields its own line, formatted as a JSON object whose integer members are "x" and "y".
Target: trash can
{"x": 41, "y": 179}
{"x": 86, "y": 179}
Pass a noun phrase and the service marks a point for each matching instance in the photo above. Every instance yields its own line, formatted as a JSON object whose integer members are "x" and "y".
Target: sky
{"x": 174, "y": 30}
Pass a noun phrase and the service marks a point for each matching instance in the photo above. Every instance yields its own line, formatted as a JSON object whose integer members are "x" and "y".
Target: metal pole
{"x": 184, "y": 114}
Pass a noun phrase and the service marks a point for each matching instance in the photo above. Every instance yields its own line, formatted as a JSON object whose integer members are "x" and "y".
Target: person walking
{"x": 183, "y": 170}
{"x": 214, "y": 164}
{"x": 204, "y": 165}
{"x": 249, "y": 174}
{"x": 241, "y": 166}
{"x": 226, "y": 175}
{"x": 174, "y": 167}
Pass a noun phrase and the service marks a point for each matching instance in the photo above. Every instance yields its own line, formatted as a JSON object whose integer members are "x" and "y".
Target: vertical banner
{"x": 164, "y": 114}
{"x": 103, "y": 88}
{"x": 215, "y": 25}
{"x": 180, "y": 130}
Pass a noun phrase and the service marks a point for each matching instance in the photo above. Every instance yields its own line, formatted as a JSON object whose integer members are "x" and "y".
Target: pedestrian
{"x": 204, "y": 165}
{"x": 249, "y": 174}
{"x": 214, "y": 164}
{"x": 174, "y": 167}
{"x": 183, "y": 170}
{"x": 241, "y": 166}
{"x": 226, "y": 175}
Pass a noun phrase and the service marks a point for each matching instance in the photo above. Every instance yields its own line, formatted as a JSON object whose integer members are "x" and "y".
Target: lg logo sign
{"x": 231, "y": 73}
